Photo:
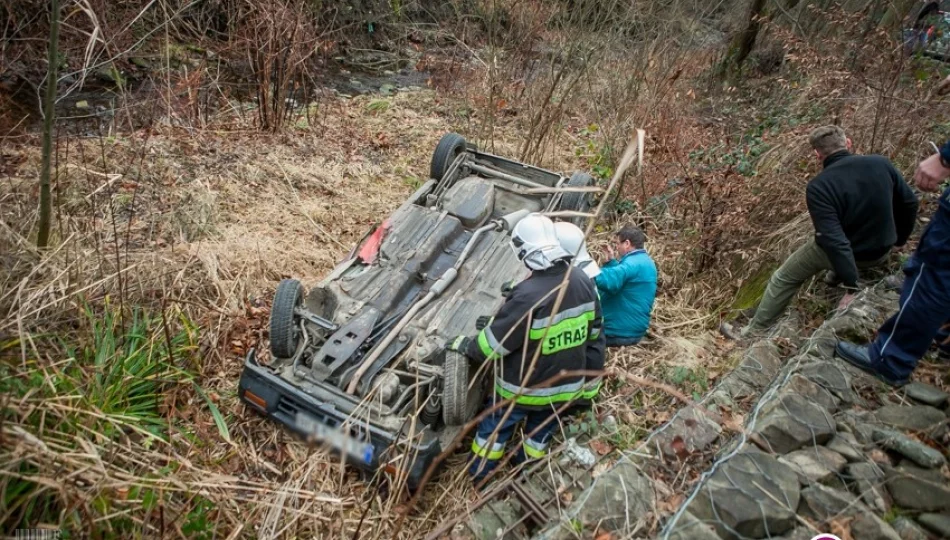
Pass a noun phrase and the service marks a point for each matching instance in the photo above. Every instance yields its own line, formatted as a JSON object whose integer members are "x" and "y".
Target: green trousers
{"x": 800, "y": 266}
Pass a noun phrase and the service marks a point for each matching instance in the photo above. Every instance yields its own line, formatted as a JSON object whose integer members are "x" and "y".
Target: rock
{"x": 868, "y": 483}
{"x": 490, "y": 521}
{"x": 609, "y": 423}
{"x": 868, "y": 526}
{"x": 822, "y": 503}
{"x": 691, "y": 431}
{"x": 759, "y": 365}
{"x": 752, "y": 495}
{"x": 731, "y": 390}
{"x": 800, "y": 533}
{"x": 616, "y": 499}
{"x": 577, "y": 454}
{"x": 817, "y": 464}
{"x": 845, "y": 444}
{"x": 911, "y": 488}
{"x": 912, "y": 418}
{"x": 814, "y": 392}
{"x": 831, "y": 376}
{"x": 936, "y": 523}
{"x": 855, "y": 423}
{"x": 689, "y": 527}
{"x": 917, "y": 452}
{"x": 110, "y": 74}
{"x": 387, "y": 89}
{"x": 926, "y": 394}
{"x": 560, "y": 530}
{"x": 82, "y": 104}
{"x": 906, "y": 529}
{"x": 791, "y": 421}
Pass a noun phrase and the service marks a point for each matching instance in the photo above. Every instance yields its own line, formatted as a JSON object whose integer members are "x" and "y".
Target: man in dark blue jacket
{"x": 924, "y": 314}
{"x": 627, "y": 286}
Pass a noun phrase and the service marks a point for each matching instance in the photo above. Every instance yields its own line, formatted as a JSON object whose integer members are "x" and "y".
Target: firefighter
{"x": 572, "y": 240}
{"x": 525, "y": 326}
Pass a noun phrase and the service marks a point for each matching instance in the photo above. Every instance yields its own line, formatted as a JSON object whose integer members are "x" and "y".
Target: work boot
{"x": 734, "y": 333}
{"x": 857, "y": 356}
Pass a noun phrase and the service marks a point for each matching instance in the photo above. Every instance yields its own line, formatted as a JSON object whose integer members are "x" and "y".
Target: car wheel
{"x": 577, "y": 202}
{"x": 458, "y": 404}
{"x": 283, "y": 328}
{"x": 449, "y": 148}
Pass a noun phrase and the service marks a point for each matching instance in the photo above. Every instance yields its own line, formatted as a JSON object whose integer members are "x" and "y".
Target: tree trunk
{"x": 896, "y": 13}
{"x": 744, "y": 42}
{"x": 42, "y": 237}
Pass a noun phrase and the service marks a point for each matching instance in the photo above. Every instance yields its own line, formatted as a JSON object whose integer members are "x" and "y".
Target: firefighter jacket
{"x": 525, "y": 324}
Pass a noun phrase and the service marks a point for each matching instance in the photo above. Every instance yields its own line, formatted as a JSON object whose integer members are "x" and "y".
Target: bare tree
{"x": 42, "y": 237}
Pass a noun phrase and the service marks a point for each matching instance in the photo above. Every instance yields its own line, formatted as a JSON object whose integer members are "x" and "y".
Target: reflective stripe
{"x": 594, "y": 334}
{"x": 534, "y": 449}
{"x": 550, "y": 391}
{"x": 479, "y": 448}
{"x": 493, "y": 342}
{"x": 562, "y": 315}
{"x": 539, "y": 396}
{"x": 490, "y": 346}
{"x": 592, "y": 388}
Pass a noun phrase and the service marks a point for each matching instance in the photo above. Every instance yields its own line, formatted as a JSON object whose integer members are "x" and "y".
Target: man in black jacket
{"x": 532, "y": 345}
{"x": 860, "y": 206}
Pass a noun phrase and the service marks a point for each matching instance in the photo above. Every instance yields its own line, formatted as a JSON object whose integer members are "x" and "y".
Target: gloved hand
{"x": 506, "y": 287}
{"x": 459, "y": 344}
{"x": 482, "y": 322}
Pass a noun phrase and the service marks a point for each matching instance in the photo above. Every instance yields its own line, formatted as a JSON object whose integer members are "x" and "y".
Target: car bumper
{"x": 278, "y": 399}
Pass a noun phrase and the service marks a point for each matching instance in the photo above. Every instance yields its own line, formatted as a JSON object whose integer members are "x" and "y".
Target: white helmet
{"x": 571, "y": 238}
{"x": 534, "y": 241}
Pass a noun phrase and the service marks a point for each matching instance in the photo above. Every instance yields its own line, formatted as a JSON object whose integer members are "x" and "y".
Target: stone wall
{"x": 791, "y": 443}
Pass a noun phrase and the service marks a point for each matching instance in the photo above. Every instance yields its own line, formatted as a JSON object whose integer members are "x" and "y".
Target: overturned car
{"x": 359, "y": 360}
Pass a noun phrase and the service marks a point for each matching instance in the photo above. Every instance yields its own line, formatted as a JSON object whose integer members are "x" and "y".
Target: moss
{"x": 752, "y": 289}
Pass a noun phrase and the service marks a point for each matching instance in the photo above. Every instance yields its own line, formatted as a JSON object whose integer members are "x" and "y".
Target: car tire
{"x": 458, "y": 404}
{"x": 449, "y": 148}
{"x": 283, "y": 328}
{"x": 577, "y": 202}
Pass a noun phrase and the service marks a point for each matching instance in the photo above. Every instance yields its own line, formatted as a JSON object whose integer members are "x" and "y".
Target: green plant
{"x": 689, "y": 379}
{"x": 598, "y": 155}
{"x": 378, "y": 105}
{"x": 119, "y": 368}
{"x": 198, "y": 523}
{"x": 626, "y": 437}
{"x": 125, "y": 372}
{"x": 412, "y": 181}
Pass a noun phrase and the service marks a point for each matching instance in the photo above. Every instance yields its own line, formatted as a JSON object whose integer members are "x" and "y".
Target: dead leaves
{"x": 841, "y": 527}
{"x": 679, "y": 448}
{"x": 247, "y": 330}
{"x": 601, "y": 447}
{"x": 732, "y": 422}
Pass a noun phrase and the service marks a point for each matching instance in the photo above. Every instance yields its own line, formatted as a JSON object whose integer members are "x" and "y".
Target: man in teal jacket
{"x": 627, "y": 285}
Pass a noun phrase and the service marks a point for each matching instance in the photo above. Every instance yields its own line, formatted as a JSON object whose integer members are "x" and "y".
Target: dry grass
{"x": 206, "y": 224}
{"x": 202, "y": 223}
